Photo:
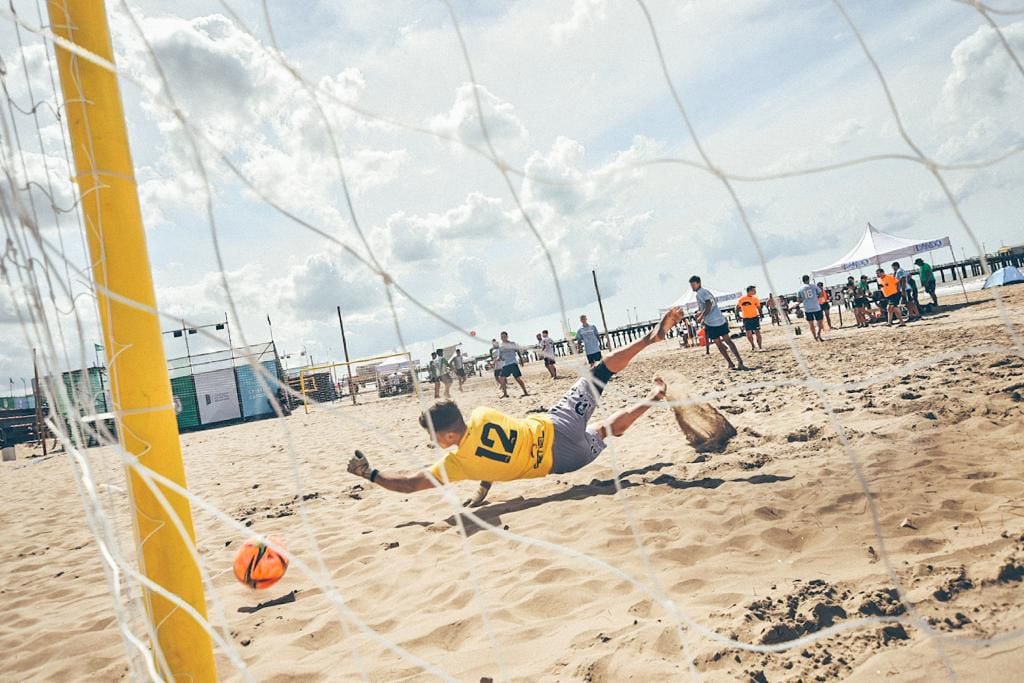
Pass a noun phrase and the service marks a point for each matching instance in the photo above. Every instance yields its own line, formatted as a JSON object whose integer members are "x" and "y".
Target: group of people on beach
{"x": 440, "y": 371}
{"x": 507, "y": 355}
{"x": 895, "y": 292}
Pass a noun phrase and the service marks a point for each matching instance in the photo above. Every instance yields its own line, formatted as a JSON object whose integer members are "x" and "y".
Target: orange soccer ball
{"x": 259, "y": 566}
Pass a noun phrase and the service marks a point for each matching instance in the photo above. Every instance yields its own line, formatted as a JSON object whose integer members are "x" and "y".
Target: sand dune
{"x": 768, "y": 541}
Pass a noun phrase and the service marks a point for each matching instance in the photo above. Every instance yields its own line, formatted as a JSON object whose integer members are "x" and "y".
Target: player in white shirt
{"x": 547, "y": 351}
{"x": 459, "y": 363}
{"x": 716, "y": 327}
{"x": 508, "y": 355}
{"x": 591, "y": 340}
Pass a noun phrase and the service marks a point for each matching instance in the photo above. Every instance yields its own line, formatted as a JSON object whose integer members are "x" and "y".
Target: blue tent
{"x": 1004, "y": 276}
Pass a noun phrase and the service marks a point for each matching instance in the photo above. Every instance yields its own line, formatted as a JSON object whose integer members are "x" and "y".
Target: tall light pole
{"x": 600, "y": 306}
{"x": 344, "y": 346}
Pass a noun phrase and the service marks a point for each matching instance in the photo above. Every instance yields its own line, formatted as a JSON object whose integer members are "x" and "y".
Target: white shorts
{"x": 575, "y": 446}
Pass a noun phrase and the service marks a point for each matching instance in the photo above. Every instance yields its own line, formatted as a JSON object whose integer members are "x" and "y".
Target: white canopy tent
{"x": 689, "y": 300}
{"x": 877, "y": 248}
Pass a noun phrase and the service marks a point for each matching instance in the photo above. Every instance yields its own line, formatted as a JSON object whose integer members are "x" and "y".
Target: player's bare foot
{"x": 658, "y": 390}
{"x": 668, "y": 321}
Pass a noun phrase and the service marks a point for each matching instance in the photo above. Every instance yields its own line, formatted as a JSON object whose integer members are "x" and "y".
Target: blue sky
{"x": 577, "y": 104}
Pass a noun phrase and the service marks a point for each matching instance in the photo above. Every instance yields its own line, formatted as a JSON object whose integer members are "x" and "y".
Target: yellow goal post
{"x": 312, "y": 379}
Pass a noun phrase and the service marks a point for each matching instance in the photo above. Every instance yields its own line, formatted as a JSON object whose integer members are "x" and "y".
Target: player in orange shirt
{"x": 750, "y": 311}
{"x": 891, "y": 291}
{"x": 492, "y": 446}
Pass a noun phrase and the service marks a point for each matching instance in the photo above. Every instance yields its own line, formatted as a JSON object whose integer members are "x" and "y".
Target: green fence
{"x": 185, "y": 407}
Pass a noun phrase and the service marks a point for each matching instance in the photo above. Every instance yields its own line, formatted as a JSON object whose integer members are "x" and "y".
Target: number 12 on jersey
{"x": 508, "y": 443}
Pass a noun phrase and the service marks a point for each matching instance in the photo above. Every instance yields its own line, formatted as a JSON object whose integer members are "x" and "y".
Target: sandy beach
{"x": 592, "y": 578}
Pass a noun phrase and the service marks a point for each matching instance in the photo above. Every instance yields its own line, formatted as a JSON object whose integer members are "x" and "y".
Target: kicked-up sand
{"x": 592, "y": 578}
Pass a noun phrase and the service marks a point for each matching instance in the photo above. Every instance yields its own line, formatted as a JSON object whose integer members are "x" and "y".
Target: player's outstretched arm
{"x": 360, "y": 466}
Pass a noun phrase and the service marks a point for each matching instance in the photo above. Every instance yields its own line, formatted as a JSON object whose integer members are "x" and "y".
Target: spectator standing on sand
{"x": 856, "y": 303}
{"x": 435, "y": 379}
{"x": 773, "y": 309}
{"x": 866, "y": 298}
{"x": 927, "y": 279}
{"x": 443, "y": 373}
{"x": 906, "y": 290}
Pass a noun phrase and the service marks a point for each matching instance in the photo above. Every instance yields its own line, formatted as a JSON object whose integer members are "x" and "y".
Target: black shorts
{"x": 461, "y": 372}
{"x": 895, "y": 299}
{"x": 752, "y": 324}
{"x": 713, "y": 332}
{"x": 549, "y": 361}
{"x": 594, "y": 357}
{"x": 826, "y": 306}
{"x": 861, "y": 303}
{"x": 511, "y": 371}
{"x": 435, "y": 380}
{"x": 814, "y": 315}
{"x": 930, "y": 287}
{"x": 497, "y": 372}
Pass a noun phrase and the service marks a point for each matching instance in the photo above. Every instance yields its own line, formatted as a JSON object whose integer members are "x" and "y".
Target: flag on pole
{"x": 98, "y": 347}
{"x": 268, "y": 320}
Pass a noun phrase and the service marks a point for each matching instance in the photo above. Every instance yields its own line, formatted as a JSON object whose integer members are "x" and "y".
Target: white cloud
{"x": 328, "y": 279}
{"x": 554, "y": 178}
{"x": 844, "y": 132}
{"x": 462, "y": 121}
{"x": 411, "y": 238}
{"x": 983, "y": 75}
{"x": 373, "y": 168}
{"x": 583, "y": 12}
{"x": 981, "y": 96}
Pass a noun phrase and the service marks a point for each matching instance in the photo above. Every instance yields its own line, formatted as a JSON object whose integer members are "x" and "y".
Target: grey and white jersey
{"x": 509, "y": 353}
{"x": 808, "y": 295}
{"x": 589, "y": 336}
{"x": 714, "y": 318}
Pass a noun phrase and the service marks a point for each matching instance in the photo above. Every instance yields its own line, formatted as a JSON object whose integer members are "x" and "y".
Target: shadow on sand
{"x": 597, "y": 487}
{"x": 283, "y": 600}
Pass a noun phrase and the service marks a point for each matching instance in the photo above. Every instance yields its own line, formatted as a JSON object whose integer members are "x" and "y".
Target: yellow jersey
{"x": 750, "y": 307}
{"x": 497, "y": 447}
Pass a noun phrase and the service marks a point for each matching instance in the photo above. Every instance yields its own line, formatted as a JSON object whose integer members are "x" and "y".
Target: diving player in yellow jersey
{"x": 492, "y": 446}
